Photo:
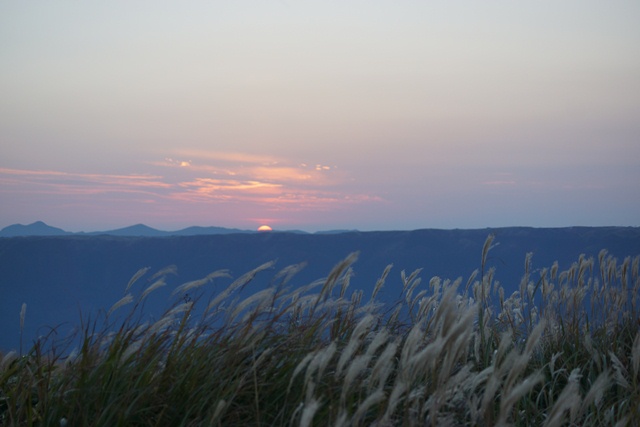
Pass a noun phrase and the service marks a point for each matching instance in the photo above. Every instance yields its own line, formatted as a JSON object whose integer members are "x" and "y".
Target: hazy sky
{"x": 320, "y": 115}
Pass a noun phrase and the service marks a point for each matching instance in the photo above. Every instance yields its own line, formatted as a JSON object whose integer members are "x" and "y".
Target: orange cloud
{"x": 280, "y": 173}
{"x": 215, "y": 187}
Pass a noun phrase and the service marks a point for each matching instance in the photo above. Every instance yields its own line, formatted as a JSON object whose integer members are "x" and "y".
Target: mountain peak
{"x": 37, "y": 228}
{"x": 134, "y": 230}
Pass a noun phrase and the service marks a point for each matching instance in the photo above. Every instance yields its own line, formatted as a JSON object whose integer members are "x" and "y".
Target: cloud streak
{"x": 69, "y": 183}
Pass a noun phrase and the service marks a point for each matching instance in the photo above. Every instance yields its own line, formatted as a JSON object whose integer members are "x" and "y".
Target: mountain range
{"x": 67, "y": 277}
{"x": 39, "y": 228}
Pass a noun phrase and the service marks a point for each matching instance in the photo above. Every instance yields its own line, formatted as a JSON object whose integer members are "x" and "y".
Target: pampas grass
{"x": 564, "y": 349}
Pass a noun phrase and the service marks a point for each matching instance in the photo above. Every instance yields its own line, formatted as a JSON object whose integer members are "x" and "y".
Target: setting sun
{"x": 265, "y": 228}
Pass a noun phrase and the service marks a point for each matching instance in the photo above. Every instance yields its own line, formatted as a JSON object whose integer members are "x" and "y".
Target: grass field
{"x": 563, "y": 350}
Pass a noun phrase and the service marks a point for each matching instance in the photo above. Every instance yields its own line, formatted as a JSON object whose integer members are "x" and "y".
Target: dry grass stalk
{"x": 127, "y": 299}
{"x": 155, "y": 285}
{"x": 135, "y": 278}
{"x": 197, "y": 283}
{"x": 309, "y": 412}
{"x": 238, "y": 283}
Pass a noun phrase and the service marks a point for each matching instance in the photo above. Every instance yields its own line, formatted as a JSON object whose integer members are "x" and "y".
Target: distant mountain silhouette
{"x": 336, "y": 231}
{"x": 38, "y": 228}
{"x": 59, "y": 277}
{"x": 138, "y": 230}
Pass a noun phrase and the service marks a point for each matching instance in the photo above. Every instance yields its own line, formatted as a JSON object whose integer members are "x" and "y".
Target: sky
{"x": 320, "y": 115}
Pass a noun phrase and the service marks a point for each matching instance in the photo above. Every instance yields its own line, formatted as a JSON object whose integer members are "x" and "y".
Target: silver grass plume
{"x": 135, "y": 278}
{"x": 197, "y": 283}
{"x": 127, "y": 299}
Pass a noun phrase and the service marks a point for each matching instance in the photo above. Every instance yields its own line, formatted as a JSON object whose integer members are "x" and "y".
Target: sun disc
{"x": 265, "y": 228}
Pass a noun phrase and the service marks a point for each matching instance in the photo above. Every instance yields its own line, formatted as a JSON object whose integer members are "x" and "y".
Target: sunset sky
{"x": 318, "y": 115}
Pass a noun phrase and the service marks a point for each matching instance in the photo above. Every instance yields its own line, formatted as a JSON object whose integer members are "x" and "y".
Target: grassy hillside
{"x": 564, "y": 349}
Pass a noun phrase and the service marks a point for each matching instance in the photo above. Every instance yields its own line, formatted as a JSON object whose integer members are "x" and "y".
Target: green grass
{"x": 563, "y": 350}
